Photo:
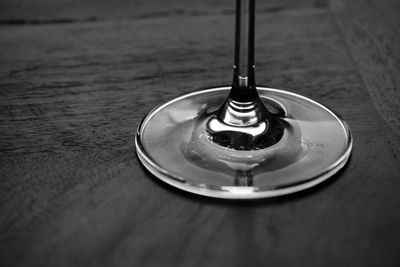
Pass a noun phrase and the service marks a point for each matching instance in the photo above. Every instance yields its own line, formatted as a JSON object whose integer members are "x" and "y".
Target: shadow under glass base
{"x": 174, "y": 144}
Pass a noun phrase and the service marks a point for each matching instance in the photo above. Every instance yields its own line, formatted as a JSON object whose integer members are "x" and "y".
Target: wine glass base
{"x": 172, "y": 142}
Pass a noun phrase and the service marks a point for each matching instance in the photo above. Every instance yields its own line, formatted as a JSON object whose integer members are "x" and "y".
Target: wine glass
{"x": 243, "y": 141}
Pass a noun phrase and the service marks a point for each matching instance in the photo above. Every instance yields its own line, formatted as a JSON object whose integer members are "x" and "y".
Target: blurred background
{"x": 14, "y": 11}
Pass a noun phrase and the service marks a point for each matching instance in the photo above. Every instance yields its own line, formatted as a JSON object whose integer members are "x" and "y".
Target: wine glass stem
{"x": 243, "y": 106}
{"x": 243, "y": 85}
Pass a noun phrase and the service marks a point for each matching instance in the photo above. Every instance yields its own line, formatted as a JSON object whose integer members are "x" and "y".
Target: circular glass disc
{"x": 173, "y": 143}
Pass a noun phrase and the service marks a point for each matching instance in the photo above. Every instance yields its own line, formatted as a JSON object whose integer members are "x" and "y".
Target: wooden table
{"x": 76, "y": 77}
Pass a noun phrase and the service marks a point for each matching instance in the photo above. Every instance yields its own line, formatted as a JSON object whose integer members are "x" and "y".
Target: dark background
{"x": 76, "y": 77}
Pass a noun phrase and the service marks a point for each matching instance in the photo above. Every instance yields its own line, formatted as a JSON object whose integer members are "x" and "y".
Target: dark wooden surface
{"x": 76, "y": 77}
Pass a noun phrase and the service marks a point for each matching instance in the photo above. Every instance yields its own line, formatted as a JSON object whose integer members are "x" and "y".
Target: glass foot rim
{"x": 238, "y": 192}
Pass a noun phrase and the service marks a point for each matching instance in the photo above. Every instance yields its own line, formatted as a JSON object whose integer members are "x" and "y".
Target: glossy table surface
{"x": 77, "y": 77}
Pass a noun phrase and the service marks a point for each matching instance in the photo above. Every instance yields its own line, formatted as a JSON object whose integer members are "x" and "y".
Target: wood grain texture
{"x": 372, "y": 34}
{"x": 72, "y": 192}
